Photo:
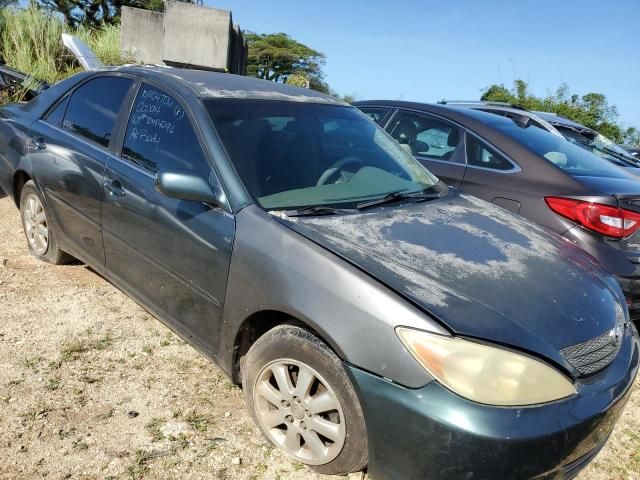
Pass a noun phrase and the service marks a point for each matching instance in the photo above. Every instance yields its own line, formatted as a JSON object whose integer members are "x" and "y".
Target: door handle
{"x": 114, "y": 187}
{"x": 39, "y": 142}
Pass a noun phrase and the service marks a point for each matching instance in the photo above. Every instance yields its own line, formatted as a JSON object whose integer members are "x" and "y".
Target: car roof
{"x": 208, "y": 84}
{"x": 486, "y": 105}
{"x": 555, "y": 119}
{"x": 522, "y": 112}
{"x": 472, "y": 117}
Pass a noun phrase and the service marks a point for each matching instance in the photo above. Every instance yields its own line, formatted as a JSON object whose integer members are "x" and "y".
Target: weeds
{"x": 199, "y": 422}
{"x": 52, "y": 384}
{"x": 72, "y": 349}
{"x": 139, "y": 466}
{"x": 31, "y": 42}
{"x": 153, "y": 427}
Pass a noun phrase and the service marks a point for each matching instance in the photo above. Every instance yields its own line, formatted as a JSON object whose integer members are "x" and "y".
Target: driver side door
{"x": 173, "y": 255}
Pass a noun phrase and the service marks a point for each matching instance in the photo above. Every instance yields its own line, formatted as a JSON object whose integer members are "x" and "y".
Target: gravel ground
{"x": 93, "y": 387}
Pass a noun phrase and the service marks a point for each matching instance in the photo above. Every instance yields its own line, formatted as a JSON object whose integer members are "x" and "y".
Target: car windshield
{"x": 599, "y": 148}
{"x": 610, "y": 144}
{"x": 293, "y": 154}
{"x": 571, "y": 158}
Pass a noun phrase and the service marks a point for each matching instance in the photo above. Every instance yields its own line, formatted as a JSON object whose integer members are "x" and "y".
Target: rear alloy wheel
{"x": 35, "y": 224}
{"x": 37, "y": 227}
{"x": 303, "y": 401}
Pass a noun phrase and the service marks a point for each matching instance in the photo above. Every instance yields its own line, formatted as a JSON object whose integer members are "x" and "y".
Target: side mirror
{"x": 185, "y": 185}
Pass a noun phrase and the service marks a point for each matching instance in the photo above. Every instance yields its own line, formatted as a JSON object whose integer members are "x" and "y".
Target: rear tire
{"x": 302, "y": 400}
{"x": 39, "y": 230}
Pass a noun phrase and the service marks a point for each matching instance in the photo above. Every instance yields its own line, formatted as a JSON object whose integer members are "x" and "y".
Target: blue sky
{"x": 429, "y": 50}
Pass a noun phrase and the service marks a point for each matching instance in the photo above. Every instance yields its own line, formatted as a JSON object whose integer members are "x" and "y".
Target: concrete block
{"x": 196, "y": 36}
{"x": 141, "y": 35}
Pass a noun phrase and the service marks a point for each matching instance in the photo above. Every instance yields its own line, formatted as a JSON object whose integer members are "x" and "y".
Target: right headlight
{"x": 485, "y": 374}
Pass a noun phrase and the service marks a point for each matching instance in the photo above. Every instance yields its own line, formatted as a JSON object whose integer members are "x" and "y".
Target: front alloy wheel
{"x": 299, "y": 394}
{"x": 299, "y": 412}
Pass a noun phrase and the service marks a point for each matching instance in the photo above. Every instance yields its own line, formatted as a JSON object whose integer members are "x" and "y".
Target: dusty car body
{"x": 295, "y": 244}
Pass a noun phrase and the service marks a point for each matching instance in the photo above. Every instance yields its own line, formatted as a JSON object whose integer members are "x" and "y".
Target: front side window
{"x": 291, "y": 154}
{"x": 480, "y": 155}
{"x": 427, "y": 137}
{"x": 159, "y": 135}
{"x": 93, "y": 108}
{"x": 376, "y": 114}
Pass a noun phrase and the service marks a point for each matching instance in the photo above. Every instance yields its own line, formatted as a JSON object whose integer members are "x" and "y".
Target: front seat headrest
{"x": 454, "y": 138}
{"x": 405, "y": 131}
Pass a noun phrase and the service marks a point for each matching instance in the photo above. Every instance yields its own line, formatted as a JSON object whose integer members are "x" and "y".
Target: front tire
{"x": 303, "y": 401}
{"x": 38, "y": 229}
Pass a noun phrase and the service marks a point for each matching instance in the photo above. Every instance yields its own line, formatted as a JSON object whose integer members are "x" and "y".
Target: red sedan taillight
{"x": 610, "y": 221}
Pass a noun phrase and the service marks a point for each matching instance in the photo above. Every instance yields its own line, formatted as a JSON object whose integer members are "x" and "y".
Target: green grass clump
{"x": 31, "y": 42}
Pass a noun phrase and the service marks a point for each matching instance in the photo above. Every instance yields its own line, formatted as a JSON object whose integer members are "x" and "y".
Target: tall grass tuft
{"x": 105, "y": 43}
{"x": 31, "y": 41}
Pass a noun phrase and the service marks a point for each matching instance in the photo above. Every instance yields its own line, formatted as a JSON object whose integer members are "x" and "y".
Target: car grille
{"x": 593, "y": 355}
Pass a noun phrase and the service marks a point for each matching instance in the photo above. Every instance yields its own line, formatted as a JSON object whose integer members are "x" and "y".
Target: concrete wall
{"x": 141, "y": 35}
{"x": 186, "y": 35}
{"x": 197, "y": 36}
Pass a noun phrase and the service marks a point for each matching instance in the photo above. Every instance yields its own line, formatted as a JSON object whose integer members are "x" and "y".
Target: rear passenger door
{"x": 489, "y": 175}
{"x": 173, "y": 255}
{"x": 68, "y": 151}
{"x": 436, "y": 143}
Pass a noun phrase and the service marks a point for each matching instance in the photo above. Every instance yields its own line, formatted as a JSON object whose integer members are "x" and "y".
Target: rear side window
{"x": 480, "y": 155}
{"x": 160, "y": 137}
{"x": 573, "y": 159}
{"x": 376, "y": 114}
{"x": 93, "y": 108}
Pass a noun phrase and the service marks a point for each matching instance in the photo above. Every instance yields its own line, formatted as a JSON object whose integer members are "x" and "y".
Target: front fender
{"x": 274, "y": 268}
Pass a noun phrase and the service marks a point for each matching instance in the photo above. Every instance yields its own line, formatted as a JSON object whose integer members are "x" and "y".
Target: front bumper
{"x": 433, "y": 433}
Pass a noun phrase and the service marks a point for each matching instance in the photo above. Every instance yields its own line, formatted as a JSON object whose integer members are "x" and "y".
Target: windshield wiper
{"x": 395, "y": 196}
{"x": 315, "y": 210}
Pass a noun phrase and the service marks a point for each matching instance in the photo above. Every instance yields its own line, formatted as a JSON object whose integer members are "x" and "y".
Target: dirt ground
{"x": 93, "y": 387}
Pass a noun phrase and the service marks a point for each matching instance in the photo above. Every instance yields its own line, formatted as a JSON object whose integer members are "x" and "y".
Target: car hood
{"x": 479, "y": 270}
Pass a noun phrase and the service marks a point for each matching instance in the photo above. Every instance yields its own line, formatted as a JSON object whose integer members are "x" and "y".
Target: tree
{"x": 298, "y": 80}
{"x": 93, "y": 13}
{"x": 277, "y": 57}
{"x": 632, "y": 136}
{"x": 591, "y": 110}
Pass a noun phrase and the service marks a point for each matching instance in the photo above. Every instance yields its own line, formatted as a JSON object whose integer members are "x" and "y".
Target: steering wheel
{"x": 337, "y": 169}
